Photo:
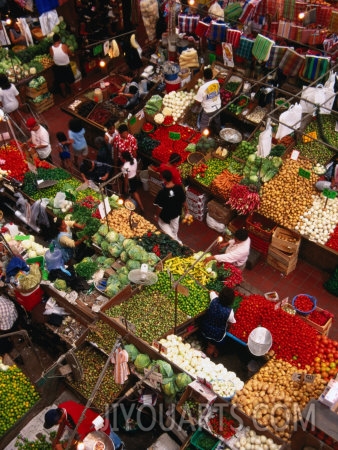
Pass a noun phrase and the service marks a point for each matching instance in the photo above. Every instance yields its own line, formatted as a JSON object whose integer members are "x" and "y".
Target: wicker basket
{"x": 195, "y": 158}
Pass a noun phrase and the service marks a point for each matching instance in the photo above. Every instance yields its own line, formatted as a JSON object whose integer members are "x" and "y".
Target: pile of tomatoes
{"x": 326, "y": 359}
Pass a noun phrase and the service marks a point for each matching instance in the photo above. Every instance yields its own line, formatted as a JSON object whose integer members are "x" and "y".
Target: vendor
{"x": 215, "y": 321}
{"x": 15, "y": 35}
{"x": 331, "y": 176}
{"x": 64, "y": 239}
{"x": 131, "y": 91}
{"x": 68, "y": 414}
{"x": 237, "y": 250}
{"x": 39, "y": 140}
{"x": 209, "y": 97}
{"x": 95, "y": 171}
{"x": 171, "y": 165}
{"x": 8, "y": 320}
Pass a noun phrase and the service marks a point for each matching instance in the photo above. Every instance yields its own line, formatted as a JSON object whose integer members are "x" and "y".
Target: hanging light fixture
{"x": 102, "y": 63}
{"x": 8, "y": 20}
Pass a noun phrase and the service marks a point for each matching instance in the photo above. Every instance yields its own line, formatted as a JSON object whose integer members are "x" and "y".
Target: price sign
{"x": 277, "y": 305}
{"x": 174, "y": 136}
{"x": 159, "y": 347}
{"x": 296, "y": 377}
{"x": 284, "y": 301}
{"x": 132, "y": 120}
{"x": 294, "y": 155}
{"x": 182, "y": 290}
{"x": 304, "y": 173}
{"x": 329, "y": 193}
{"x": 309, "y": 377}
{"x": 104, "y": 208}
{"x": 97, "y": 49}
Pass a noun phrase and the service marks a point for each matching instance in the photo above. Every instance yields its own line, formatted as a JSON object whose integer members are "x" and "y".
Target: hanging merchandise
{"x": 313, "y": 96}
{"x": 150, "y": 14}
{"x": 26, "y": 31}
{"x": 261, "y": 48}
{"x": 46, "y": 5}
{"x": 276, "y": 55}
{"x": 291, "y": 63}
{"x": 121, "y": 370}
{"x": 48, "y": 20}
{"x": 289, "y": 121}
{"x": 228, "y": 56}
{"x": 248, "y": 10}
{"x": 314, "y": 68}
{"x": 233, "y": 37}
{"x": 264, "y": 141}
{"x": 245, "y": 48}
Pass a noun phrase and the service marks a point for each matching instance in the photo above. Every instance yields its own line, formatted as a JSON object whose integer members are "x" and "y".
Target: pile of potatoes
{"x": 288, "y": 195}
{"x": 273, "y": 400}
{"x": 119, "y": 221}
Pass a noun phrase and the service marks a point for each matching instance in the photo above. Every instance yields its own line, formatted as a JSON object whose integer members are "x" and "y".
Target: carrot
{"x": 222, "y": 184}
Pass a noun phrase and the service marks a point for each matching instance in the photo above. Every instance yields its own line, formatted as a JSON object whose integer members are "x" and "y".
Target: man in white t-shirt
{"x": 39, "y": 139}
{"x": 237, "y": 250}
{"x": 208, "y": 95}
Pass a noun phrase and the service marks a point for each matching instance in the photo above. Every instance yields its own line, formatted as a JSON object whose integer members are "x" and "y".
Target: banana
{"x": 133, "y": 41}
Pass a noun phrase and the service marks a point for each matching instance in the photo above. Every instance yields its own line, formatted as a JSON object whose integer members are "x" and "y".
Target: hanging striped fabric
{"x": 233, "y": 37}
{"x": 245, "y": 48}
{"x": 314, "y": 67}
{"x": 276, "y": 54}
{"x": 262, "y": 47}
{"x": 291, "y": 63}
{"x": 289, "y": 9}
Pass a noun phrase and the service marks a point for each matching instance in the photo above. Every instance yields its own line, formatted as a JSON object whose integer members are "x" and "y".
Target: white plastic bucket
{"x": 144, "y": 177}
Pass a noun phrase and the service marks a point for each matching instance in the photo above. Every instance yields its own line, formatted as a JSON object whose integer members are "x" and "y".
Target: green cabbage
{"x": 112, "y": 289}
{"x": 136, "y": 252}
{"x": 112, "y": 236}
{"x": 124, "y": 256}
{"x": 169, "y": 389}
{"x": 131, "y": 264}
{"x": 103, "y": 230}
{"x": 97, "y": 238}
{"x": 128, "y": 243}
{"x": 101, "y": 260}
{"x": 108, "y": 263}
{"x": 182, "y": 380}
{"x": 61, "y": 285}
{"x": 165, "y": 368}
{"x": 132, "y": 351}
{"x": 115, "y": 250}
{"x": 123, "y": 279}
{"x": 141, "y": 362}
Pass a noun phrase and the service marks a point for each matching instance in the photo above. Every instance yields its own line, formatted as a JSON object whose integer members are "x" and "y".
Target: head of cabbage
{"x": 182, "y": 380}
{"x": 132, "y": 351}
{"x": 141, "y": 362}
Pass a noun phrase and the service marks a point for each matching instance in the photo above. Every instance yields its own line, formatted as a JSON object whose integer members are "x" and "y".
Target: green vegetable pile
{"x": 153, "y": 105}
{"x": 146, "y": 144}
{"x": 92, "y": 362}
{"x": 86, "y": 268}
{"x": 150, "y": 311}
{"x": 244, "y": 149}
{"x": 18, "y": 396}
{"x": 102, "y": 335}
{"x": 215, "y": 166}
{"x": 261, "y": 169}
{"x": 316, "y": 151}
{"x": 42, "y": 442}
{"x": 206, "y": 144}
{"x": 162, "y": 244}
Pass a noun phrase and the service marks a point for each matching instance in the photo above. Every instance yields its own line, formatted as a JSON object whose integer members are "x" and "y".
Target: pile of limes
{"x": 18, "y": 395}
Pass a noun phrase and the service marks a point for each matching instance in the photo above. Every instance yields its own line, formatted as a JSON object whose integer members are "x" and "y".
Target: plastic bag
{"x": 59, "y": 199}
{"x": 23, "y": 206}
{"x": 53, "y": 308}
{"x": 313, "y": 96}
{"x": 39, "y": 214}
{"x": 264, "y": 141}
{"x": 212, "y": 223}
{"x": 290, "y": 118}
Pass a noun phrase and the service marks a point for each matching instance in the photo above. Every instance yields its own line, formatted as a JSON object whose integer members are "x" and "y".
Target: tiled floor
{"x": 264, "y": 278}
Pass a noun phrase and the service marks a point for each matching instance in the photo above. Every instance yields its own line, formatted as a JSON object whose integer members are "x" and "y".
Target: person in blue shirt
{"x": 76, "y": 134}
{"x": 215, "y": 321}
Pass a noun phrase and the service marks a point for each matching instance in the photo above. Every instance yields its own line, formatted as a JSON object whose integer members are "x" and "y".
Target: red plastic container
{"x": 172, "y": 85}
{"x": 29, "y": 301}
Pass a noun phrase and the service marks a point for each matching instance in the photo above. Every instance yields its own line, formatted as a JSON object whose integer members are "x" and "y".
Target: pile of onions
{"x": 318, "y": 222}
{"x": 177, "y": 103}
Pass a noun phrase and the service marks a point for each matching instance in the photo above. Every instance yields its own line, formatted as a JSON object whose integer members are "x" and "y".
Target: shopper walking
{"x": 68, "y": 414}
{"x": 215, "y": 321}
{"x": 171, "y": 165}
{"x": 131, "y": 182}
{"x": 39, "y": 139}
{"x": 169, "y": 202}
{"x": 63, "y": 74}
{"x": 124, "y": 142}
{"x": 237, "y": 250}
{"x": 76, "y": 134}
{"x": 208, "y": 95}
{"x": 9, "y": 97}
{"x": 64, "y": 148}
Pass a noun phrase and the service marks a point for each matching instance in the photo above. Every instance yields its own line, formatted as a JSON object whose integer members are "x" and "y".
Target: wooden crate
{"x": 35, "y": 92}
{"x": 260, "y": 226}
{"x": 285, "y": 258}
{"x": 281, "y": 266}
{"x": 42, "y": 106}
{"x": 285, "y": 240}
{"x": 322, "y": 329}
{"x": 201, "y": 394}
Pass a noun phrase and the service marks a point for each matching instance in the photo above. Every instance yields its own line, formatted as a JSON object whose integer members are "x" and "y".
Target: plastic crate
{"x": 200, "y": 438}
{"x": 259, "y": 244}
{"x": 30, "y": 300}
{"x": 261, "y": 226}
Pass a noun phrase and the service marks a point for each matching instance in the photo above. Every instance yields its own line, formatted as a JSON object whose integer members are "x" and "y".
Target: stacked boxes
{"x": 155, "y": 181}
{"x": 46, "y": 99}
{"x": 283, "y": 250}
{"x": 197, "y": 203}
{"x": 220, "y": 213}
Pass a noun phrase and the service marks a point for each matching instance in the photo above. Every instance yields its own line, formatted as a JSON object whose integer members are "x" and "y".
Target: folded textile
{"x": 262, "y": 47}
{"x": 245, "y": 48}
{"x": 291, "y": 63}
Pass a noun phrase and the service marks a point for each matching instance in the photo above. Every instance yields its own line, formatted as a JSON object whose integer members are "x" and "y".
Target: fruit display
{"x": 222, "y": 184}
{"x": 288, "y": 195}
{"x": 92, "y": 362}
{"x": 12, "y": 161}
{"x": 102, "y": 335}
{"x": 205, "y": 173}
{"x": 256, "y": 441}
{"x": 162, "y": 245}
{"x": 119, "y": 221}
{"x": 195, "y": 363}
{"x": 319, "y": 221}
{"x": 325, "y": 362}
{"x": 255, "y": 311}
{"x": 18, "y": 396}
{"x": 273, "y": 399}
{"x": 150, "y": 311}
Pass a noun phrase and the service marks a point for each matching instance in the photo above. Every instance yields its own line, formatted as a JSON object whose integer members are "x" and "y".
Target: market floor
{"x": 198, "y": 236}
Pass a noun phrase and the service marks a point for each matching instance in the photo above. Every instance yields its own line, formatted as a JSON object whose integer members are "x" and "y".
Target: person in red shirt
{"x": 124, "y": 142}
{"x": 68, "y": 414}
{"x": 171, "y": 165}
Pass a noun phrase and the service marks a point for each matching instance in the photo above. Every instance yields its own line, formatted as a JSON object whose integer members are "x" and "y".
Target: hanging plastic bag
{"x": 59, "y": 200}
{"x": 39, "y": 214}
{"x": 264, "y": 141}
{"x": 23, "y": 206}
{"x": 311, "y": 97}
{"x": 289, "y": 121}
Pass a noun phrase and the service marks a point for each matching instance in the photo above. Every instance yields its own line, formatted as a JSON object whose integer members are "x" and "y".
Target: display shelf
{"x": 320, "y": 416}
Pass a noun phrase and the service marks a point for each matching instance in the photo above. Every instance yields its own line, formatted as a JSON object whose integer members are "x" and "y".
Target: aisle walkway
{"x": 262, "y": 278}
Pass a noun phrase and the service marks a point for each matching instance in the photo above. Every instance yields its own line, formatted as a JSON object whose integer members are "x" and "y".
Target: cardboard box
{"x": 136, "y": 122}
{"x": 220, "y": 213}
{"x": 286, "y": 240}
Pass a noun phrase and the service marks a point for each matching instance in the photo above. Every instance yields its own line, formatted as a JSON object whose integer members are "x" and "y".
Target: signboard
{"x": 104, "y": 208}
{"x": 303, "y": 378}
{"x": 329, "y": 193}
{"x": 304, "y": 173}
{"x": 182, "y": 290}
{"x": 174, "y": 136}
{"x": 294, "y": 155}
{"x": 97, "y": 49}
{"x": 281, "y": 303}
{"x": 159, "y": 347}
